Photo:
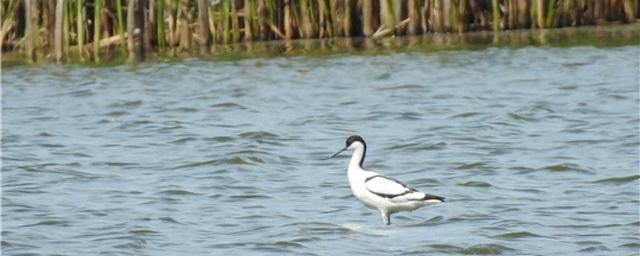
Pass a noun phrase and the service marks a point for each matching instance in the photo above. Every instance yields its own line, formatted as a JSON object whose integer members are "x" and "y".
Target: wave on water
{"x": 617, "y": 180}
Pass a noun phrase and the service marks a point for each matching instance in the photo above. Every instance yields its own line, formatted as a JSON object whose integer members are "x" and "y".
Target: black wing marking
{"x": 387, "y": 187}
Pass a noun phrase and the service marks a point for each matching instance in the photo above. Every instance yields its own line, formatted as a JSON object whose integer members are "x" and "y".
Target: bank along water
{"x": 91, "y": 30}
{"x": 598, "y": 36}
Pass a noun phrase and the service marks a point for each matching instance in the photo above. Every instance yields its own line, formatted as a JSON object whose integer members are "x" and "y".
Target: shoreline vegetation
{"x": 96, "y": 30}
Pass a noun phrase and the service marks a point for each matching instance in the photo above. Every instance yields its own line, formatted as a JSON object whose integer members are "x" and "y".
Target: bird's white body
{"x": 382, "y": 193}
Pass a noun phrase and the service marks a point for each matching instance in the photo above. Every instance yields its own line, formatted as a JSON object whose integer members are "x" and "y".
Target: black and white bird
{"x": 382, "y": 193}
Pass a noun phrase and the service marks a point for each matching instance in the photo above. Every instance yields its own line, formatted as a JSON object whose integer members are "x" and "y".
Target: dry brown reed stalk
{"x": 203, "y": 25}
{"x": 58, "y": 30}
{"x": 539, "y": 9}
{"x": 387, "y": 16}
{"x": 414, "y": 17}
{"x": 183, "y": 32}
{"x": 367, "y": 17}
{"x": 235, "y": 26}
{"x": 309, "y": 18}
{"x": 134, "y": 30}
{"x": 248, "y": 15}
{"x": 149, "y": 24}
{"x": 288, "y": 22}
{"x": 347, "y": 24}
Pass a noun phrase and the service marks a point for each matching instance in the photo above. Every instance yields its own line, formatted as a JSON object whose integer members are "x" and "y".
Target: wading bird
{"x": 382, "y": 193}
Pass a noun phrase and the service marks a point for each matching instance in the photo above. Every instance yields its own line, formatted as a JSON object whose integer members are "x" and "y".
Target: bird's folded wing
{"x": 387, "y": 187}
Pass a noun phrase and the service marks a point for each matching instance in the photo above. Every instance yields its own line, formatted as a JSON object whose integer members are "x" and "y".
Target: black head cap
{"x": 353, "y": 139}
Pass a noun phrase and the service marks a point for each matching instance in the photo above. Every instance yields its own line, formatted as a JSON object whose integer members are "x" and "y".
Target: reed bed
{"x": 86, "y": 30}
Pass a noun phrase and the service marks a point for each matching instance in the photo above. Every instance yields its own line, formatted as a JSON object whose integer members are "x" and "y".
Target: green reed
{"x": 80, "y": 18}
{"x": 160, "y": 34}
{"x": 96, "y": 29}
{"x": 120, "y": 25}
{"x": 66, "y": 35}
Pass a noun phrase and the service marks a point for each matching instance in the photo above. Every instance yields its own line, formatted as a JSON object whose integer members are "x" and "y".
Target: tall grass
{"x": 97, "y": 19}
{"x": 61, "y": 27}
{"x": 120, "y": 22}
{"x": 80, "y": 18}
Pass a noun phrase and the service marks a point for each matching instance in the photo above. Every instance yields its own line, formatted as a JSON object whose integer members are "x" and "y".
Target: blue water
{"x": 535, "y": 149}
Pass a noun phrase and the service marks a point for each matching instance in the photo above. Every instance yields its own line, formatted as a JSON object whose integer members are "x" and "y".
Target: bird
{"x": 379, "y": 192}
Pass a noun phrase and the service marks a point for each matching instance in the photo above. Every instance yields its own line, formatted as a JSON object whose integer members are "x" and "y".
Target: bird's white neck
{"x": 357, "y": 158}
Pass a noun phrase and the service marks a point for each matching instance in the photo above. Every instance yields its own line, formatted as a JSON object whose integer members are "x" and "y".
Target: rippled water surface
{"x": 536, "y": 150}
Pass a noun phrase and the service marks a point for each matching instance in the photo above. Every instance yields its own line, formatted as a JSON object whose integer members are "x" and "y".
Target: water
{"x": 535, "y": 148}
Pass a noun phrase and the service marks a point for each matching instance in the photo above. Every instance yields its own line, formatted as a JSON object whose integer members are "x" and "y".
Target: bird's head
{"x": 352, "y": 143}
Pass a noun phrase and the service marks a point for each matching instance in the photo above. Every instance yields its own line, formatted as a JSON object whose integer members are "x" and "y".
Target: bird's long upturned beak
{"x": 334, "y": 155}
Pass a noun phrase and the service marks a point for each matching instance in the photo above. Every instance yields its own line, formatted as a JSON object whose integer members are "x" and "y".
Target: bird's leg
{"x": 386, "y": 218}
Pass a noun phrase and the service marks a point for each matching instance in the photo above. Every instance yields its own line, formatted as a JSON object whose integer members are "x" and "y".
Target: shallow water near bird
{"x": 535, "y": 149}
